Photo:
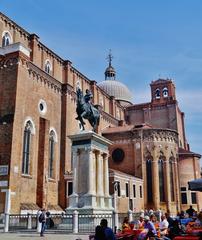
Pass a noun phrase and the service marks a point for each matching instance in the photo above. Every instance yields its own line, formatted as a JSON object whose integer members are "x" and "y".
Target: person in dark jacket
{"x": 99, "y": 233}
{"x": 42, "y": 219}
{"x": 190, "y": 211}
{"x": 108, "y": 231}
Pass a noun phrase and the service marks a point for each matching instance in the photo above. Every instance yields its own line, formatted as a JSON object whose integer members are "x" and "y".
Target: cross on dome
{"x": 110, "y": 57}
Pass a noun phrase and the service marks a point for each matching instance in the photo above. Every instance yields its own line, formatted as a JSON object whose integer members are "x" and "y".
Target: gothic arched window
{"x": 48, "y": 67}
{"x": 161, "y": 180}
{"x": 52, "y": 140}
{"x": 26, "y": 148}
{"x": 165, "y": 92}
{"x": 171, "y": 180}
{"x": 149, "y": 180}
{"x": 157, "y": 93}
{"x": 6, "y": 40}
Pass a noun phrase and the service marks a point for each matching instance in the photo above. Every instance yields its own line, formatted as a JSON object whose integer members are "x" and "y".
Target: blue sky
{"x": 148, "y": 39}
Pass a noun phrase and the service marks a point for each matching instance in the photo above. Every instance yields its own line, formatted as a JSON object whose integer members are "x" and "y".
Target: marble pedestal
{"x": 90, "y": 174}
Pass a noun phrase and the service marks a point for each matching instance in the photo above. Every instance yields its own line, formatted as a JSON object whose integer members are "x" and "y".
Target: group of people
{"x": 149, "y": 227}
{"x": 167, "y": 228}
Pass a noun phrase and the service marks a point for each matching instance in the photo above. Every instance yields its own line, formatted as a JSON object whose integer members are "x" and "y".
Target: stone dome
{"x": 116, "y": 89}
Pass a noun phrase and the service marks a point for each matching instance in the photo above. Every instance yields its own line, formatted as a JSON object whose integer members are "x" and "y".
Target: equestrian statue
{"x": 86, "y": 110}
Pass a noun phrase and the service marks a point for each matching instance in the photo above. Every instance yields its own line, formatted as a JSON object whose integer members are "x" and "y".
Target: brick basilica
{"x": 150, "y": 157}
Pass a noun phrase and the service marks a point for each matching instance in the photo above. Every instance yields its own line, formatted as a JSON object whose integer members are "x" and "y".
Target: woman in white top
{"x": 163, "y": 226}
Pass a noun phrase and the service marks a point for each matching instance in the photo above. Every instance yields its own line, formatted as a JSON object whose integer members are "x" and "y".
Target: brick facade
{"x": 47, "y": 100}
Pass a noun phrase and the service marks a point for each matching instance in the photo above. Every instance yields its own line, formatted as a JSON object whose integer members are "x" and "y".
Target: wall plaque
{"x": 3, "y": 170}
{"x": 3, "y": 183}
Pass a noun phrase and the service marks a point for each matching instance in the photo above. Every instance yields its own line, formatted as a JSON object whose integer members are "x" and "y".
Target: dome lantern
{"x": 113, "y": 87}
{"x": 110, "y": 73}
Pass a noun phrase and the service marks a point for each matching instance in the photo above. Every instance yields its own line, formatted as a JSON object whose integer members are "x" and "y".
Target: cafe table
{"x": 187, "y": 237}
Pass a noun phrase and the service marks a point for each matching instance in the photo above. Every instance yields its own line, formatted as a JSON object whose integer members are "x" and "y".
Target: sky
{"x": 149, "y": 39}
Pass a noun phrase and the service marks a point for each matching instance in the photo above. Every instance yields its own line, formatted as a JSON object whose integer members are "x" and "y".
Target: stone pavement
{"x": 33, "y": 236}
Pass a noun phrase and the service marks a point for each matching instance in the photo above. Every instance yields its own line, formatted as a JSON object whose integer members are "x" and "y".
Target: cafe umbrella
{"x": 195, "y": 185}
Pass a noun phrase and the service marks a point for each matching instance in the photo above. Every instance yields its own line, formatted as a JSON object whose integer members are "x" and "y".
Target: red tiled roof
{"x": 125, "y": 128}
{"x": 118, "y": 129}
{"x": 188, "y": 152}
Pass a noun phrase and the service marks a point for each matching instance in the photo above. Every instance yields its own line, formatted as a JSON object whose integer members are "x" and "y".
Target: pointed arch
{"x": 165, "y": 92}
{"x": 161, "y": 177}
{"x": 149, "y": 173}
{"x": 48, "y": 66}
{"x": 157, "y": 93}
{"x": 52, "y": 142}
{"x": 149, "y": 180}
{"x": 27, "y": 140}
{"x": 171, "y": 169}
{"x": 6, "y": 38}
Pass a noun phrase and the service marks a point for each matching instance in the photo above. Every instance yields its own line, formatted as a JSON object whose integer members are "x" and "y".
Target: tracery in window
{"x": 48, "y": 67}
{"x": 52, "y": 140}
{"x": 161, "y": 180}
{"x": 26, "y": 147}
{"x": 6, "y": 39}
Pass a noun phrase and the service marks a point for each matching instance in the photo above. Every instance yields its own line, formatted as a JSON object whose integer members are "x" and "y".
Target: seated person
{"x": 198, "y": 221}
{"x": 182, "y": 215}
{"x": 154, "y": 220}
{"x": 141, "y": 222}
{"x": 125, "y": 225}
{"x": 169, "y": 219}
{"x": 132, "y": 225}
{"x": 190, "y": 211}
{"x": 175, "y": 229}
{"x": 149, "y": 229}
{"x": 163, "y": 226}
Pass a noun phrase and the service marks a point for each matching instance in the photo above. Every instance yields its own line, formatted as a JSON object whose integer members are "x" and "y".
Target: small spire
{"x": 110, "y": 57}
{"x": 110, "y": 73}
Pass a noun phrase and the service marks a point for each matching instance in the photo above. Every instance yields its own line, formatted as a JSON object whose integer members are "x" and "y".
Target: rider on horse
{"x": 88, "y": 98}
{"x": 85, "y": 109}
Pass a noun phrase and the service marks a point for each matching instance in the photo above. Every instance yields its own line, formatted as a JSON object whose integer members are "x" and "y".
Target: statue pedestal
{"x": 90, "y": 174}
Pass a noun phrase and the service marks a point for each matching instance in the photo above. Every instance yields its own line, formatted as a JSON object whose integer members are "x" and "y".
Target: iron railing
{"x": 88, "y": 222}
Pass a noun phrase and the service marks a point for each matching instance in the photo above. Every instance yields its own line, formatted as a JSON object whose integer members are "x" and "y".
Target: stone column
{"x": 75, "y": 171}
{"x": 144, "y": 174}
{"x": 177, "y": 186}
{"x": 155, "y": 179}
{"x": 73, "y": 198}
{"x": 99, "y": 160}
{"x": 91, "y": 172}
{"x": 100, "y": 179}
{"x": 168, "y": 189}
{"x": 106, "y": 175}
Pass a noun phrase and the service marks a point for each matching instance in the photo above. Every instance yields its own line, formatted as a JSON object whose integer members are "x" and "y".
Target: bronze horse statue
{"x": 86, "y": 110}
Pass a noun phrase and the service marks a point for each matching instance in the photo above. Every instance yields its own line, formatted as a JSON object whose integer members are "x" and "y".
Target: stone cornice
{"x": 42, "y": 76}
{"x": 149, "y": 105}
{"x": 109, "y": 118}
{"x": 51, "y": 53}
{"x": 160, "y": 135}
{"x": 14, "y": 25}
{"x": 156, "y": 135}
